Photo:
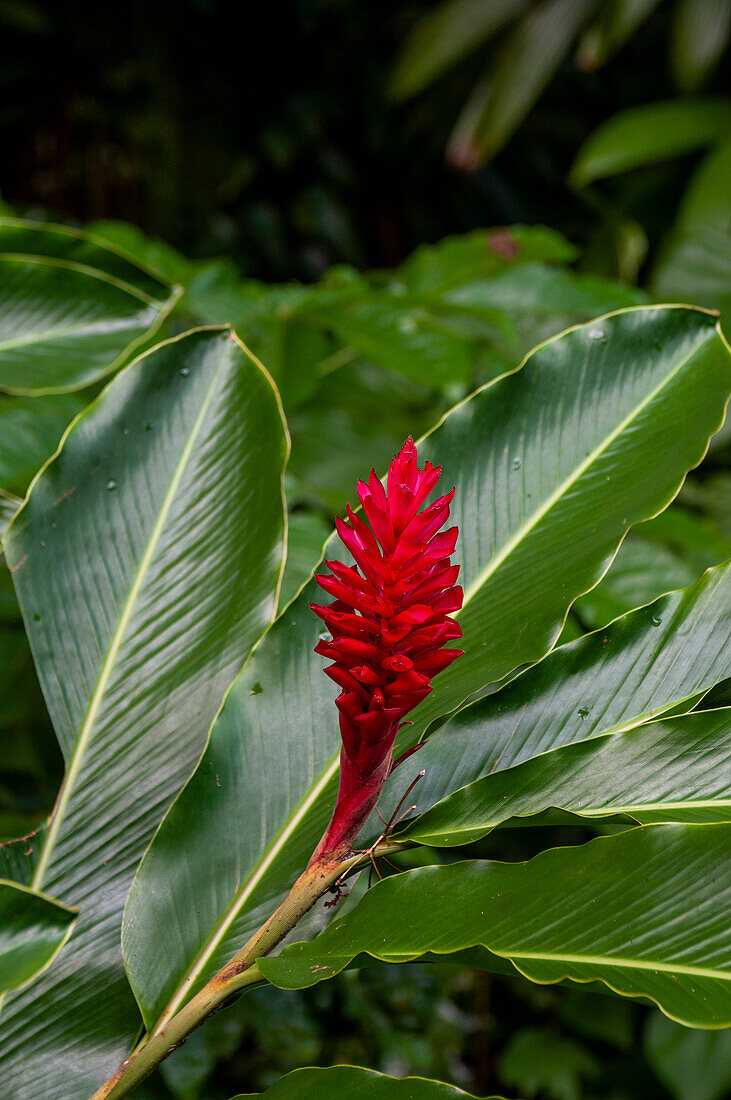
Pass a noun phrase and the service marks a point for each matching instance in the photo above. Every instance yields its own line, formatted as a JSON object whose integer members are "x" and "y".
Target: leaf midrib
{"x": 562, "y": 489}
{"x": 233, "y": 911}
{"x": 87, "y": 726}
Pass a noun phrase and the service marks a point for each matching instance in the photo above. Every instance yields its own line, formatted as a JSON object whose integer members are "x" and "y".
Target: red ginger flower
{"x": 389, "y": 622}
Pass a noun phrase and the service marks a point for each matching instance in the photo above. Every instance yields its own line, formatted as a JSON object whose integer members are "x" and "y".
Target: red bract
{"x": 389, "y": 623}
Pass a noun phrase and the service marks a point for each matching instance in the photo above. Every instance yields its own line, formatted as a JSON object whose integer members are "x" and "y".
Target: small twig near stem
{"x": 239, "y": 973}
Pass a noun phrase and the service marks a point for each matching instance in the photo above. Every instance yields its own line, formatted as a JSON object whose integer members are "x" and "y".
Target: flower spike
{"x": 389, "y": 623}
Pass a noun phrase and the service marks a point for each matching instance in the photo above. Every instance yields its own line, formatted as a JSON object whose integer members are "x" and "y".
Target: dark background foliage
{"x": 264, "y": 134}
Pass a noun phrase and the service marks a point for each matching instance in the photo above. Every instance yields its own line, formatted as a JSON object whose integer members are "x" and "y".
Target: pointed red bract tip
{"x": 389, "y": 624}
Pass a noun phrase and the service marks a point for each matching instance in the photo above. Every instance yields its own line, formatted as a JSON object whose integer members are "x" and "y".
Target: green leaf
{"x": 645, "y": 912}
{"x": 541, "y": 1062}
{"x": 614, "y": 24}
{"x": 700, "y": 34}
{"x": 30, "y": 430}
{"x": 695, "y": 264}
{"x": 306, "y": 535}
{"x": 146, "y": 560}
{"x": 337, "y": 1081}
{"x": 651, "y": 133}
{"x": 444, "y": 36}
{"x": 71, "y": 308}
{"x": 665, "y": 771}
{"x": 524, "y": 65}
{"x": 603, "y": 423}
{"x": 650, "y": 661}
{"x": 33, "y": 929}
{"x": 399, "y": 332}
{"x": 481, "y": 254}
{"x": 693, "y": 1065}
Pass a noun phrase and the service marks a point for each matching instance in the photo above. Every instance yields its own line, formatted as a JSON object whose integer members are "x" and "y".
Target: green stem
{"x": 239, "y": 973}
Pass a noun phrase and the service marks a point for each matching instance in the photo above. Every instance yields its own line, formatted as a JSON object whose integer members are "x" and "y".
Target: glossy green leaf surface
{"x": 644, "y": 135}
{"x": 33, "y": 928}
{"x": 552, "y": 464}
{"x": 338, "y": 1081}
{"x": 647, "y": 662}
{"x": 71, "y": 308}
{"x": 645, "y": 912}
{"x": 146, "y": 561}
{"x": 664, "y": 771}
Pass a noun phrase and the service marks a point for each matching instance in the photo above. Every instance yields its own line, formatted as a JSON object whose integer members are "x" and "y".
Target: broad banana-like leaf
{"x": 552, "y": 465}
{"x": 71, "y": 307}
{"x": 146, "y": 560}
{"x": 642, "y": 665}
{"x": 337, "y": 1081}
{"x": 665, "y": 771}
{"x": 33, "y": 929}
{"x": 645, "y": 912}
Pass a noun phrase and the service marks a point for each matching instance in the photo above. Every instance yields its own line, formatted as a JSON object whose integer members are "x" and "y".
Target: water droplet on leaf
{"x": 256, "y": 689}
{"x": 185, "y": 371}
{"x": 111, "y": 484}
{"x": 597, "y": 334}
{"x": 583, "y": 712}
{"x": 516, "y": 463}
{"x": 655, "y": 620}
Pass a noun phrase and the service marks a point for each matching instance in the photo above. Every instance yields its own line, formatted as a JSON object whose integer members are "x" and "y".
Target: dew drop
{"x": 148, "y": 426}
{"x": 111, "y": 484}
{"x": 516, "y": 463}
{"x": 324, "y": 637}
{"x": 655, "y": 620}
{"x": 583, "y": 713}
{"x": 597, "y": 334}
{"x": 185, "y": 371}
{"x": 256, "y": 689}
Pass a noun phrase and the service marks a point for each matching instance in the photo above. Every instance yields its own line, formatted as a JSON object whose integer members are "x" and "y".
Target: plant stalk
{"x": 239, "y": 973}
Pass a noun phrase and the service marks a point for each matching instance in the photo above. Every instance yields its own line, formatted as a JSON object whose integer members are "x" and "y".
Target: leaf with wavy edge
{"x": 33, "y": 929}
{"x": 594, "y": 416}
{"x": 337, "y": 1081}
{"x": 665, "y": 771}
{"x": 645, "y": 912}
{"x": 146, "y": 560}
{"x": 643, "y": 664}
{"x": 71, "y": 307}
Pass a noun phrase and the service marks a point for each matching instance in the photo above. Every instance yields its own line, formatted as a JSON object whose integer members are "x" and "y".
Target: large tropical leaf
{"x": 552, "y": 465}
{"x": 33, "y": 929}
{"x": 146, "y": 561}
{"x": 71, "y": 308}
{"x": 337, "y": 1081}
{"x": 645, "y": 912}
{"x": 664, "y": 771}
{"x": 652, "y": 660}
